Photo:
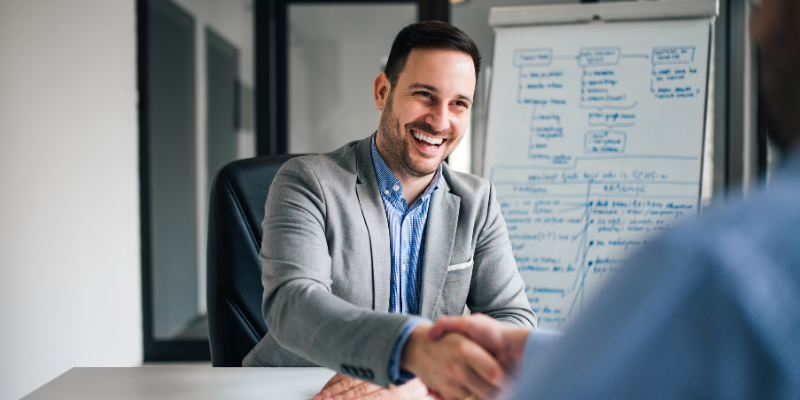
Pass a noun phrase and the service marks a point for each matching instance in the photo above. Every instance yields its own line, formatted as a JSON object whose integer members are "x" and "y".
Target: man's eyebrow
{"x": 434, "y": 90}
{"x": 423, "y": 86}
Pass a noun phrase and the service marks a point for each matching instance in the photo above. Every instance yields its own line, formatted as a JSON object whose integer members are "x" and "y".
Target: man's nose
{"x": 438, "y": 117}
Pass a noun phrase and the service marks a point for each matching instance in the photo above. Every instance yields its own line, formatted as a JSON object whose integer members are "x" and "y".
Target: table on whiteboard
{"x": 594, "y": 144}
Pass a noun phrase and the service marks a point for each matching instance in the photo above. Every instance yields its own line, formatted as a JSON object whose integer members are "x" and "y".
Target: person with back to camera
{"x": 365, "y": 245}
{"x": 709, "y": 311}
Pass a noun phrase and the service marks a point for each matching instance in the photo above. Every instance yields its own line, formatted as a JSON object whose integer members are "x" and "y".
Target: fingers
{"x": 454, "y": 391}
{"x": 413, "y": 390}
{"x": 334, "y": 379}
{"x": 478, "y": 327}
{"x": 506, "y": 344}
{"x": 444, "y": 325}
{"x": 480, "y": 387}
{"x": 383, "y": 394}
{"x": 470, "y": 370}
{"x": 481, "y": 363}
{"x": 358, "y": 392}
{"x": 452, "y": 366}
{"x": 337, "y": 385}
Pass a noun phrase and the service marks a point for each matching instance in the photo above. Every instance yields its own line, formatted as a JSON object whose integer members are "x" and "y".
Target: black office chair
{"x": 234, "y": 294}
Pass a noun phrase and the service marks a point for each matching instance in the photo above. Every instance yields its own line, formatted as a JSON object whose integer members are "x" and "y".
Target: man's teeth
{"x": 428, "y": 139}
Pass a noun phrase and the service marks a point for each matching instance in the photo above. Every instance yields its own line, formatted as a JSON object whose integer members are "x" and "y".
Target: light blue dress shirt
{"x": 406, "y": 236}
{"x": 709, "y": 311}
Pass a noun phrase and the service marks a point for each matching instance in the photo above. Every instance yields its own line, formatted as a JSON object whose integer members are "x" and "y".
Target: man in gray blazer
{"x": 359, "y": 241}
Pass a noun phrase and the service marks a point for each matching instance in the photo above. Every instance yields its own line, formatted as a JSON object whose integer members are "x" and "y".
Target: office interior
{"x": 103, "y": 239}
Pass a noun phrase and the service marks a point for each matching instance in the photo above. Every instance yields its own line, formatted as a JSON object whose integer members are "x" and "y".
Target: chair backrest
{"x": 235, "y": 212}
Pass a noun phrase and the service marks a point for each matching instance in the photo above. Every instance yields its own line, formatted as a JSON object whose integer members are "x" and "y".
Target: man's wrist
{"x": 410, "y": 353}
{"x": 396, "y": 375}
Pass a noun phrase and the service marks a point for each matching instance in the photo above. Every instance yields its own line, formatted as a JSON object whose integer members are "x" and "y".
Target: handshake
{"x": 457, "y": 358}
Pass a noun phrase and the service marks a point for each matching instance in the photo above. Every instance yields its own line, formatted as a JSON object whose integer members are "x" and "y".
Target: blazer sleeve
{"x": 497, "y": 288}
{"x": 300, "y": 311}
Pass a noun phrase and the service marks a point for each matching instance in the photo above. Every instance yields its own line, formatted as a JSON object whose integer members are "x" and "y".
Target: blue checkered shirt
{"x": 406, "y": 229}
{"x": 406, "y": 233}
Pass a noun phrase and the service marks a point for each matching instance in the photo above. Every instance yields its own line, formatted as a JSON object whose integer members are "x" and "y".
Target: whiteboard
{"x": 594, "y": 143}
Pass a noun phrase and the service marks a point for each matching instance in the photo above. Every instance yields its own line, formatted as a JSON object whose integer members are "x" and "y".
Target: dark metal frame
{"x": 762, "y": 137}
{"x": 154, "y": 350}
{"x": 732, "y": 15}
{"x": 271, "y": 64}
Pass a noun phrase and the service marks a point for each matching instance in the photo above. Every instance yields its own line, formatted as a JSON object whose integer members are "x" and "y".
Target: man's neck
{"x": 413, "y": 186}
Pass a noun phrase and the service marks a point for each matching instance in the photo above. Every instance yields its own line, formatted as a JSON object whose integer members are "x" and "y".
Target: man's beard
{"x": 398, "y": 151}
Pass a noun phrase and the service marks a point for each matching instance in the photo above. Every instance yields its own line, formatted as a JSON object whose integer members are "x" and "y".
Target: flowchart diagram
{"x": 604, "y": 93}
{"x": 612, "y": 138}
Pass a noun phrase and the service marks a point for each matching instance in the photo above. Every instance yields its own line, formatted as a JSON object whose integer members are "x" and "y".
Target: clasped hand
{"x": 457, "y": 358}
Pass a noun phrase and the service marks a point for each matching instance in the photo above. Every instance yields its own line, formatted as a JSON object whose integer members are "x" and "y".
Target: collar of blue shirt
{"x": 390, "y": 186}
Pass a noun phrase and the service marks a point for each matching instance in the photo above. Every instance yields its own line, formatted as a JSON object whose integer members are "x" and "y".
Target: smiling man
{"x": 363, "y": 246}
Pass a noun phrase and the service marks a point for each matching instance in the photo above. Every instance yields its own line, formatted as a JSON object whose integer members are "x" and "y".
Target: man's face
{"x": 425, "y": 115}
{"x": 776, "y": 32}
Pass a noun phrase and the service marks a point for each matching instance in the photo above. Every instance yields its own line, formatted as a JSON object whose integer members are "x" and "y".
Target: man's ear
{"x": 382, "y": 89}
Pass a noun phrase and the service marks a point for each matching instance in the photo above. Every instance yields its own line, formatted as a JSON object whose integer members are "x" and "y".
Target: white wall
{"x": 69, "y": 221}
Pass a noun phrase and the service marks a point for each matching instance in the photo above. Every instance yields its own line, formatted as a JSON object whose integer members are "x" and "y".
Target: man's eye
{"x": 461, "y": 104}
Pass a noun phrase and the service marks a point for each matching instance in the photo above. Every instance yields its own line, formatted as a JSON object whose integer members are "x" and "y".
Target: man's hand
{"x": 453, "y": 367}
{"x": 342, "y": 387}
{"x": 505, "y": 343}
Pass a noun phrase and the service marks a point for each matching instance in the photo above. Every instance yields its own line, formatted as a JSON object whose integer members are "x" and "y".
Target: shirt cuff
{"x": 539, "y": 340}
{"x": 397, "y": 376}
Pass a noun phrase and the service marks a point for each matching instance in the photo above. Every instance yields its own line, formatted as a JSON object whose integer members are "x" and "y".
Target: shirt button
{"x": 396, "y": 188}
{"x": 386, "y": 191}
{"x": 404, "y": 267}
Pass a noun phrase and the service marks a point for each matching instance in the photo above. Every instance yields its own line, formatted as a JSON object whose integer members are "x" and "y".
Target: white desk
{"x": 190, "y": 383}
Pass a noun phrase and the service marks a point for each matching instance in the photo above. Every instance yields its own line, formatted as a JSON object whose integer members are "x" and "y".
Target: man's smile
{"x": 425, "y": 140}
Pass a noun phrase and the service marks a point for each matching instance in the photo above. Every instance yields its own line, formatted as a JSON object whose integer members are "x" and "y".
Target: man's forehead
{"x": 434, "y": 89}
{"x": 432, "y": 69}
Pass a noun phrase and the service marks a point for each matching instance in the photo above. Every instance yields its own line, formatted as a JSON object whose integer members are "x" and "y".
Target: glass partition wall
{"x": 196, "y": 96}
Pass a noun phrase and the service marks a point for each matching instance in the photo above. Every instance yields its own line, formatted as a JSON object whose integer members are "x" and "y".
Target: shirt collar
{"x": 387, "y": 181}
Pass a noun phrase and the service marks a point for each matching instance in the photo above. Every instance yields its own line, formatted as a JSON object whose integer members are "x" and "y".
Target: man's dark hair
{"x": 429, "y": 35}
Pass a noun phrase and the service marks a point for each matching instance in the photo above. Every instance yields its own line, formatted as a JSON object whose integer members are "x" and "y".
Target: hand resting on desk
{"x": 342, "y": 387}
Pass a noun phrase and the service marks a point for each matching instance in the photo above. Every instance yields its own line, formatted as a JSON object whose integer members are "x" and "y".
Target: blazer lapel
{"x": 372, "y": 209}
{"x": 440, "y": 232}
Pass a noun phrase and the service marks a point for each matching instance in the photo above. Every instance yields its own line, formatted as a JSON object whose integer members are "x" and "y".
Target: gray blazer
{"x": 326, "y": 264}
